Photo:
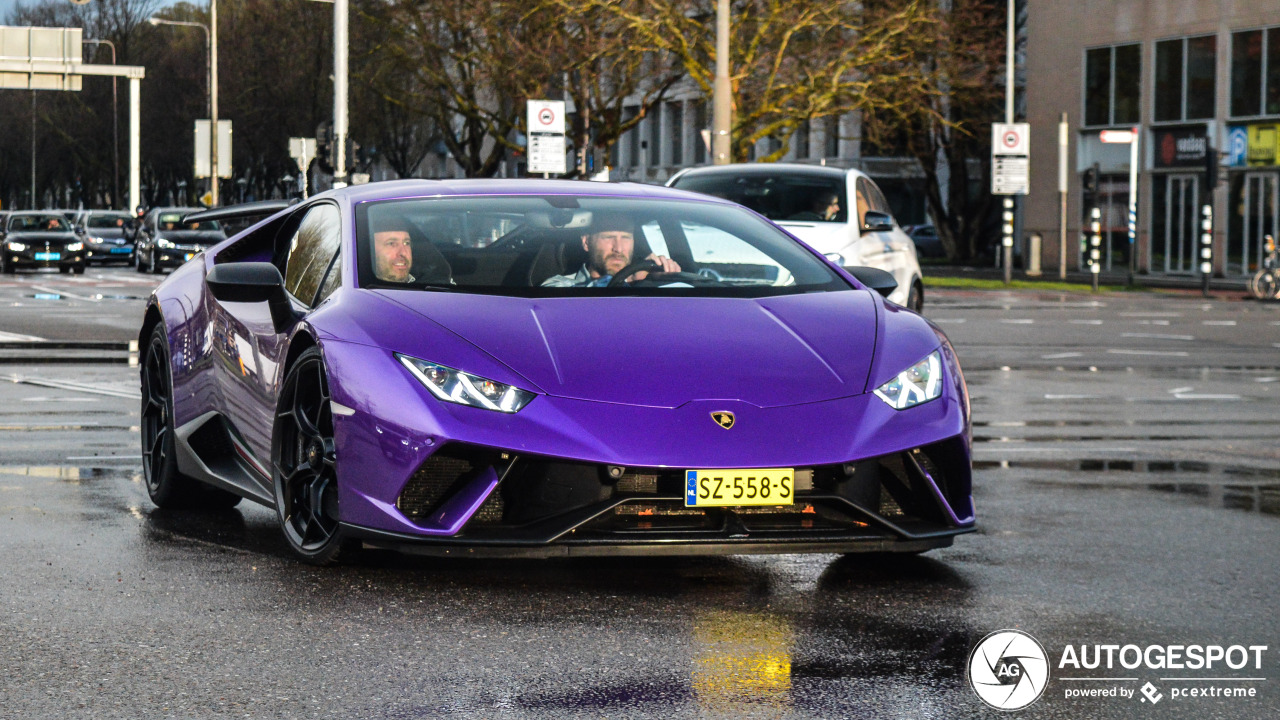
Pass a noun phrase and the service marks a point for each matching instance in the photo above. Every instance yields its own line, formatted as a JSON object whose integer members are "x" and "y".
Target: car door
{"x": 251, "y": 348}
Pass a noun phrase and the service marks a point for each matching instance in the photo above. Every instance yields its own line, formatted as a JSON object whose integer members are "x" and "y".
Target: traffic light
{"x": 1091, "y": 179}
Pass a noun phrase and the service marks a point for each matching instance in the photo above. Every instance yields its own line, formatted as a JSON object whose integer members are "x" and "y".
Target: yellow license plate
{"x": 727, "y": 488}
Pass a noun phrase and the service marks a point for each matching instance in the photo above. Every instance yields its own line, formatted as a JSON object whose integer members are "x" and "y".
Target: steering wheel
{"x": 635, "y": 267}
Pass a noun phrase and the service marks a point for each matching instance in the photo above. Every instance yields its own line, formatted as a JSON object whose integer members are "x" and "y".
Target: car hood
{"x": 55, "y": 239}
{"x": 666, "y": 352}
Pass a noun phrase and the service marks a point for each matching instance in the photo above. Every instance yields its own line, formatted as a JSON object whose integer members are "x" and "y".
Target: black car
{"x": 166, "y": 241}
{"x": 107, "y": 235}
{"x": 40, "y": 239}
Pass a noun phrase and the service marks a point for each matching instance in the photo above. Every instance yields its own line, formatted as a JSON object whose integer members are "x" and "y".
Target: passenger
{"x": 393, "y": 252}
{"x": 609, "y": 245}
{"x": 825, "y": 208}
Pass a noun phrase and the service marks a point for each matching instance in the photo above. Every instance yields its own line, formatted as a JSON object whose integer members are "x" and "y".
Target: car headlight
{"x": 162, "y": 243}
{"x": 75, "y": 247}
{"x": 17, "y": 246}
{"x": 917, "y": 384}
{"x": 455, "y": 386}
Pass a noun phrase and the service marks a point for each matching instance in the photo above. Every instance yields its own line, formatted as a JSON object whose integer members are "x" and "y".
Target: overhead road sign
{"x": 44, "y": 57}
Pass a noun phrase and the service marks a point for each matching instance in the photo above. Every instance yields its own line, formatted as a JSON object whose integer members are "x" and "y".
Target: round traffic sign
{"x": 1010, "y": 139}
{"x": 546, "y": 116}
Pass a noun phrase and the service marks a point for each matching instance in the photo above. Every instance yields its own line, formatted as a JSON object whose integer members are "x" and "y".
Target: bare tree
{"x": 792, "y": 62}
{"x": 947, "y": 130}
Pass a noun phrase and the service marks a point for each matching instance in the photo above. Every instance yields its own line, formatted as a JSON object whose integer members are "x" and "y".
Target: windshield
{"x": 548, "y": 246}
{"x": 788, "y": 195}
{"x": 107, "y": 220}
{"x": 173, "y": 222}
{"x": 39, "y": 223}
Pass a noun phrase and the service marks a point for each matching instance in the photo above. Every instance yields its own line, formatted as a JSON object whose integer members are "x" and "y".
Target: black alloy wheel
{"x": 304, "y": 465}
{"x": 168, "y": 487}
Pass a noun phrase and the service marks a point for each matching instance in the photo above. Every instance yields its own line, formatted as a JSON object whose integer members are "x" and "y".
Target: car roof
{"x": 765, "y": 169}
{"x": 394, "y": 189}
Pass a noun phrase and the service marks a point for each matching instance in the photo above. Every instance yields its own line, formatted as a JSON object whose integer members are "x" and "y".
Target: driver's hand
{"x": 668, "y": 266}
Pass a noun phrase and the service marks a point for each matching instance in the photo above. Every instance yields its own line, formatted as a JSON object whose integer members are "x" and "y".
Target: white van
{"x": 840, "y": 213}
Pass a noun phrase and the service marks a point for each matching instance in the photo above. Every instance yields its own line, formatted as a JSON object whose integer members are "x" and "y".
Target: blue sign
{"x": 1237, "y": 146}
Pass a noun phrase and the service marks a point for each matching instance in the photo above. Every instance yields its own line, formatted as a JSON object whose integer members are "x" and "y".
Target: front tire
{"x": 167, "y": 487}
{"x": 304, "y": 458}
{"x": 915, "y": 299}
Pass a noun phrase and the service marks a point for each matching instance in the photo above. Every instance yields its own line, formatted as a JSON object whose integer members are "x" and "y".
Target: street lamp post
{"x": 211, "y": 66}
{"x": 721, "y": 103}
{"x": 115, "y": 125}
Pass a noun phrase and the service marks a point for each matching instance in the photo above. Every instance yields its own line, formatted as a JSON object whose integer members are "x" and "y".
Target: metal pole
{"x": 115, "y": 124}
{"x": 1133, "y": 204}
{"x": 213, "y": 101}
{"x": 722, "y": 106}
{"x": 33, "y": 150}
{"x": 340, "y": 93}
{"x": 1010, "y": 66}
{"x": 135, "y": 143}
{"x": 1063, "y": 179}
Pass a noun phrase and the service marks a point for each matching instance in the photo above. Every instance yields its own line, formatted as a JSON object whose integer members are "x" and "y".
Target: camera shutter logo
{"x": 1008, "y": 670}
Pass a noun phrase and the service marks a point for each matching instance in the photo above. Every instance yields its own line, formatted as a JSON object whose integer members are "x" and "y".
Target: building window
{"x": 1186, "y": 83}
{"x": 1112, "y": 79}
{"x": 675, "y": 120}
{"x": 800, "y": 141}
{"x": 703, "y": 125}
{"x": 831, "y": 138}
{"x": 1255, "y": 72}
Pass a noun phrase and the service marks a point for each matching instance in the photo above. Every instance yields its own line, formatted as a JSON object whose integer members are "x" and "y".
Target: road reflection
{"x": 741, "y": 658}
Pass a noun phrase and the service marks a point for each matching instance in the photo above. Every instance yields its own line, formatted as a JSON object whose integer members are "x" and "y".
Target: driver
{"x": 392, "y": 252}
{"x": 609, "y": 245}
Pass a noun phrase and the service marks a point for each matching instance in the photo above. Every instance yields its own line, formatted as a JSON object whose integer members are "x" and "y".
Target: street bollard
{"x": 1206, "y": 248}
{"x": 1006, "y": 242}
{"x": 1095, "y": 245}
{"x": 1033, "y": 252}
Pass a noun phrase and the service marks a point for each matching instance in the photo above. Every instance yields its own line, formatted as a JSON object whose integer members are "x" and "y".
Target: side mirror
{"x": 253, "y": 282}
{"x": 873, "y": 221}
{"x": 874, "y": 278}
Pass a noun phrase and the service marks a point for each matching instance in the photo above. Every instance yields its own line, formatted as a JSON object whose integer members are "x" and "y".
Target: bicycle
{"x": 1265, "y": 283}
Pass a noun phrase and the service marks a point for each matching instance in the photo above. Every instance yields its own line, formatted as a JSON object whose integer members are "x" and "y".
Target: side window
{"x": 653, "y": 235}
{"x": 314, "y": 244}
{"x": 878, "y": 203}
{"x": 864, "y": 201}
{"x": 332, "y": 281}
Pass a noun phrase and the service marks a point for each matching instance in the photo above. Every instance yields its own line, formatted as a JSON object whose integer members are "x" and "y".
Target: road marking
{"x": 1053, "y": 449}
{"x": 1176, "y": 353}
{"x": 1220, "y": 323}
{"x": 943, "y": 321}
{"x": 75, "y": 387}
{"x": 1194, "y": 396}
{"x": 1019, "y": 321}
{"x": 1266, "y": 380}
{"x": 105, "y": 457}
{"x": 16, "y": 337}
{"x": 1175, "y": 391}
{"x": 1151, "y": 315}
{"x": 1060, "y": 356}
{"x": 1162, "y": 323}
{"x": 1071, "y": 397}
{"x": 1157, "y": 336}
{"x": 1086, "y": 322}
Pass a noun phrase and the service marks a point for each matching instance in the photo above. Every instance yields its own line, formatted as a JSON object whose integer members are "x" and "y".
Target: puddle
{"x": 116, "y": 297}
{"x": 69, "y": 473}
{"x": 1117, "y": 423}
{"x": 46, "y": 296}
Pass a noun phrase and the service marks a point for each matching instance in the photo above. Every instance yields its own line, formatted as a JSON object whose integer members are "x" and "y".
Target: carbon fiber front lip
{"x": 417, "y": 545}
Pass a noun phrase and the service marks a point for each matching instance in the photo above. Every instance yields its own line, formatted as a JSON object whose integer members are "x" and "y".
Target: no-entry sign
{"x": 546, "y": 148}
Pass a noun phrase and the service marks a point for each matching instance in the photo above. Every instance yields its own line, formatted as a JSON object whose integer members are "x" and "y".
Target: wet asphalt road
{"x": 1127, "y": 484}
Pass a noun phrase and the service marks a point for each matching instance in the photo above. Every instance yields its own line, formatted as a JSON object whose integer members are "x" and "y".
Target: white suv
{"x": 813, "y": 203}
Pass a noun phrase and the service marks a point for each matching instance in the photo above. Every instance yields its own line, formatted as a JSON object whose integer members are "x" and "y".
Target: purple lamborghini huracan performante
{"x": 550, "y": 368}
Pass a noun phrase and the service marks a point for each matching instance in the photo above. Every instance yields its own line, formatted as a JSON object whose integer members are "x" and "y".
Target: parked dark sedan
{"x": 106, "y": 234}
{"x": 165, "y": 241}
{"x": 40, "y": 240}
